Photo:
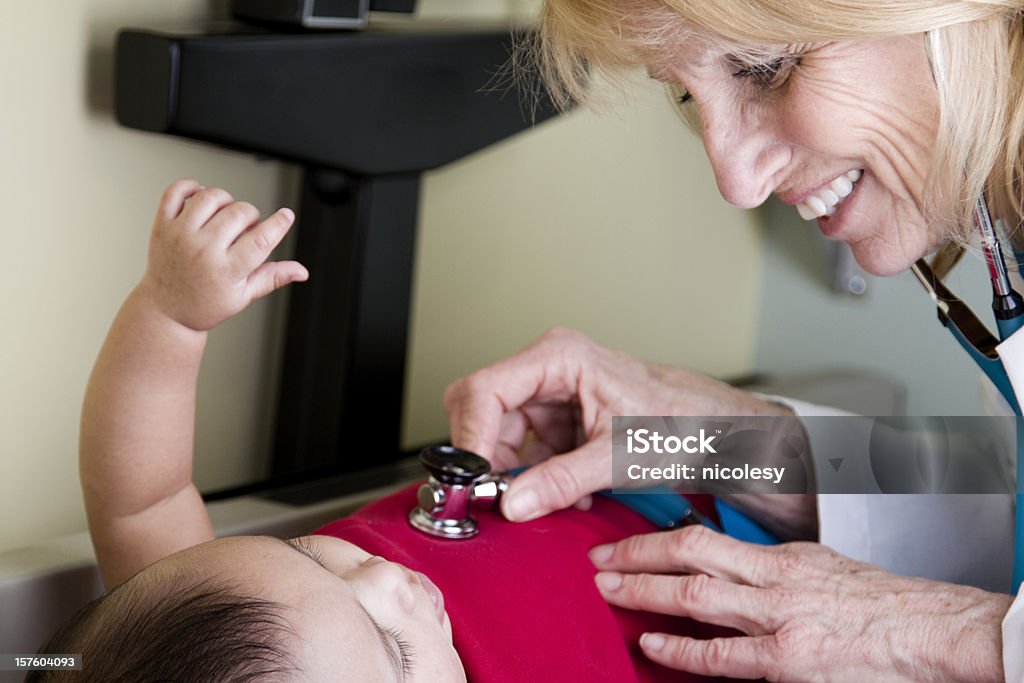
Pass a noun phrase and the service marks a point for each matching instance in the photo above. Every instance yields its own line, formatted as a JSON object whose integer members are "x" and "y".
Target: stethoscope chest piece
{"x": 458, "y": 480}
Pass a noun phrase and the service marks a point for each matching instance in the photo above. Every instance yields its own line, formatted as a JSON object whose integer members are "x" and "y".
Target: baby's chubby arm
{"x": 207, "y": 262}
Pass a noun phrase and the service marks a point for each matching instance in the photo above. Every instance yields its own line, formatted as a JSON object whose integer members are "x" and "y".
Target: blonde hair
{"x": 980, "y": 80}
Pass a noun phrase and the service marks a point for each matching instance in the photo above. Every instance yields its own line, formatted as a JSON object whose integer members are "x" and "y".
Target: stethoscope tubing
{"x": 974, "y": 337}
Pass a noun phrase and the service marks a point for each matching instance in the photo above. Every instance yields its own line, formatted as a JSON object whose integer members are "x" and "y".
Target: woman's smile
{"x": 844, "y": 132}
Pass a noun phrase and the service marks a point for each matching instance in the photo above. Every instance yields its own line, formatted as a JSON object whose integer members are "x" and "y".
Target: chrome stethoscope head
{"x": 458, "y": 481}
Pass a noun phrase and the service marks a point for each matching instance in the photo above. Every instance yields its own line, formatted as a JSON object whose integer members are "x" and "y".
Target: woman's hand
{"x": 807, "y": 613}
{"x": 557, "y": 397}
{"x": 208, "y": 256}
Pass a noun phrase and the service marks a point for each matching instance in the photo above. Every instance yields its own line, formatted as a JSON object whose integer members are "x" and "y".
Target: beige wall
{"x": 609, "y": 224}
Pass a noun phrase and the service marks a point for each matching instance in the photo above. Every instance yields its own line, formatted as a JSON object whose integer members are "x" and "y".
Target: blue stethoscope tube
{"x": 975, "y": 339}
{"x": 1008, "y": 307}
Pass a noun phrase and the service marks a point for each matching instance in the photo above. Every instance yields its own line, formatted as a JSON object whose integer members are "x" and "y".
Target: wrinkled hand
{"x": 557, "y": 397}
{"x": 208, "y": 256}
{"x": 807, "y": 612}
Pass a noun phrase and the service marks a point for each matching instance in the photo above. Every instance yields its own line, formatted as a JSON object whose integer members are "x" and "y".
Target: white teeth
{"x": 842, "y": 186}
{"x": 825, "y": 201}
{"x": 817, "y": 205}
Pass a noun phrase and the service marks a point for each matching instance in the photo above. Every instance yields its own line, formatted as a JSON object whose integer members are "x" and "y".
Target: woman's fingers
{"x": 476, "y": 404}
{"x": 810, "y": 614}
{"x": 692, "y": 549}
{"x": 584, "y": 503}
{"x": 697, "y": 596}
{"x": 746, "y": 658}
{"x": 558, "y": 482}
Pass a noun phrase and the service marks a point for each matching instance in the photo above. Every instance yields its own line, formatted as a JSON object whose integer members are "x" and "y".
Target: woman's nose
{"x": 745, "y": 151}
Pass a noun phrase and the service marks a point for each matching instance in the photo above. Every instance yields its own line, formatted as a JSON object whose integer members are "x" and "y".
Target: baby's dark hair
{"x": 201, "y": 632}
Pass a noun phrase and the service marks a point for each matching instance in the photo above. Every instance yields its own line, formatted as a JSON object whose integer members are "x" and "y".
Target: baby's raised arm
{"x": 207, "y": 262}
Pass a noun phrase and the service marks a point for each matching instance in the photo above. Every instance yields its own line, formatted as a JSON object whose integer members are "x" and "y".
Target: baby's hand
{"x": 208, "y": 255}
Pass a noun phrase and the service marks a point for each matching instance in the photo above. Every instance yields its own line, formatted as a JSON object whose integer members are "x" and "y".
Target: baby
{"x": 182, "y": 606}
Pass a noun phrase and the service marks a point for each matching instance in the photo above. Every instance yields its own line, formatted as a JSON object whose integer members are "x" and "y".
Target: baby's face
{"x": 354, "y": 616}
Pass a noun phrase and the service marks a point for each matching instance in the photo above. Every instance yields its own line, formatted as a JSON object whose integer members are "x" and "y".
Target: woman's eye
{"x": 769, "y": 73}
{"x": 682, "y": 104}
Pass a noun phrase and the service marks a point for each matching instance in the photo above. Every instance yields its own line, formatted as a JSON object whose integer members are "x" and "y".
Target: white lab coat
{"x": 964, "y": 539}
{"x": 1012, "y": 354}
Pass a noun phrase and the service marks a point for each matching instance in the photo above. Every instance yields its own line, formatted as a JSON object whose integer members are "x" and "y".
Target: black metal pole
{"x": 340, "y": 397}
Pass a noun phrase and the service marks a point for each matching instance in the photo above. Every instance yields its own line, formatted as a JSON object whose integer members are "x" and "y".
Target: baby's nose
{"x": 393, "y": 578}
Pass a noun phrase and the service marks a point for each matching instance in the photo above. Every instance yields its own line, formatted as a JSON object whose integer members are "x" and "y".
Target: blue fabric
{"x": 665, "y": 508}
{"x": 741, "y": 527}
{"x": 659, "y": 505}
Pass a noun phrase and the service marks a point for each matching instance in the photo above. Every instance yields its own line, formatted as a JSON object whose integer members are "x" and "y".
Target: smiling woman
{"x": 886, "y": 122}
{"x": 795, "y": 123}
{"x": 790, "y": 58}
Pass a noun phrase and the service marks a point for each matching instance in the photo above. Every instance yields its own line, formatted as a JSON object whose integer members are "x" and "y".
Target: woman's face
{"x": 842, "y": 131}
{"x": 353, "y": 616}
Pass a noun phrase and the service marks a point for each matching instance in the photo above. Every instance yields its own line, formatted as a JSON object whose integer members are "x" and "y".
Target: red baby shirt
{"x": 521, "y": 597}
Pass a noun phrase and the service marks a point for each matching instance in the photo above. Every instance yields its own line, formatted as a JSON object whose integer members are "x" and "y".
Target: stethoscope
{"x": 975, "y": 338}
{"x": 461, "y": 481}
{"x": 969, "y": 332}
